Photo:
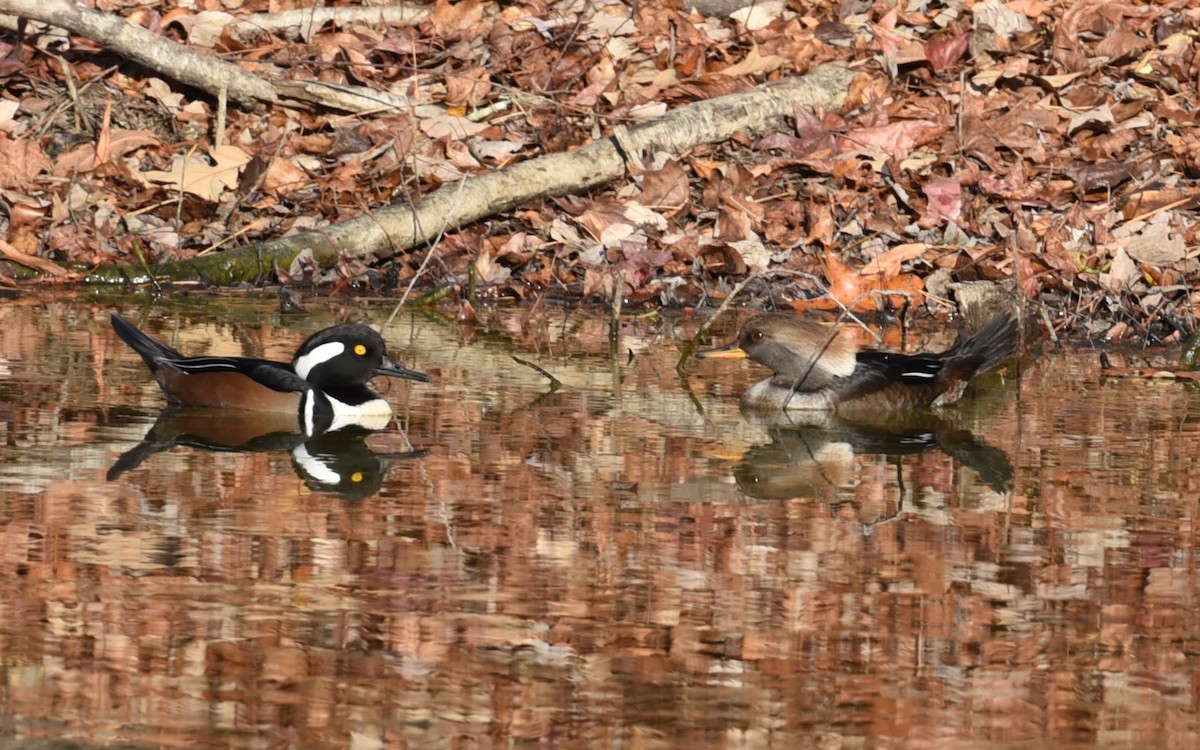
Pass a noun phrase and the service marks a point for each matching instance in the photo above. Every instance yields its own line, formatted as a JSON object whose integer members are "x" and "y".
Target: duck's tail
{"x": 993, "y": 344}
{"x": 149, "y": 348}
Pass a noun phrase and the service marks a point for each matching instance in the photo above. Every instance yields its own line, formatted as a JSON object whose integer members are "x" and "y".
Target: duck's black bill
{"x": 393, "y": 370}
{"x": 729, "y": 351}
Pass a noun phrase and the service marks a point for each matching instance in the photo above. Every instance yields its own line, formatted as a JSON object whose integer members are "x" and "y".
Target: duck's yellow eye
{"x": 356, "y": 477}
{"x": 359, "y": 349}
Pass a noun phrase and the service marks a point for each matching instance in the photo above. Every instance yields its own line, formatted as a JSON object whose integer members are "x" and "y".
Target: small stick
{"x": 425, "y": 262}
{"x": 618, "y": 298}
{"x": 555, "y": 383}
{"x": 691, "y": 345}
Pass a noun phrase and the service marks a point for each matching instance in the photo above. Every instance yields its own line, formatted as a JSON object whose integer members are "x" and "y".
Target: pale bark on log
{"x": 203, "y": 71}
{"x": 385, "y": 232}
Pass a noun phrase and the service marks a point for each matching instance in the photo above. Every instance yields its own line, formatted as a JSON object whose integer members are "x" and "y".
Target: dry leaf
{"x": 448, "y": 17}
{"x": 197, "y": 177}
{"x": 1121, "y": 274}
{"x": 284, "y": 176}
{"x": 896, "y": 140}
{"x": 1098, "y": 118}
{"x": 120, "y": 143}
{"x": 20, "y": 161}
{"x": 860, "y": 291}
{"x": 451, "y": 127}
{"x": 758, "y": 15}
{"x": 888, "y": 264}
{"x": 945, "y": 199}
{"x": 942, "y": 53}
{"x": 1155, "y": 243}
{"x": 754, "y": 63}
{"x": 489, "y": 272}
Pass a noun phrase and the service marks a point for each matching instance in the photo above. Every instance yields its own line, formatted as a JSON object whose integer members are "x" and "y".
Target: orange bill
{"x": 729, "y": 351}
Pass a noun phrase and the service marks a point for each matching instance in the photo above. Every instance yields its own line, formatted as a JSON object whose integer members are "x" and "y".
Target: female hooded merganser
{"x": 325, "y": 384}
{"x": 819, "y": 368}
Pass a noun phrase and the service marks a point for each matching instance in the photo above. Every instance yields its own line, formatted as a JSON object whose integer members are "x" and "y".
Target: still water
{"x": 621, "y": 561}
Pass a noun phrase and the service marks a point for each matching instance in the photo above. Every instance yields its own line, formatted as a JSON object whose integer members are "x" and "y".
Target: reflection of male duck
{"x": 338, "y": 462}
{"x": 802, "y": 459}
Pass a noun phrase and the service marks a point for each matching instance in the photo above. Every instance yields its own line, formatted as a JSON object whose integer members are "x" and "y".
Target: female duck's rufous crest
{"x": 817, "y": 367}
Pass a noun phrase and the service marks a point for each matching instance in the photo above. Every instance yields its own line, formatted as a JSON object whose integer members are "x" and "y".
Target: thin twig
{"x": 425, "y": 262}
{"x": 555, "y": 383}
{"x": 618, "y": 298}
{"x": 691, "y": 345}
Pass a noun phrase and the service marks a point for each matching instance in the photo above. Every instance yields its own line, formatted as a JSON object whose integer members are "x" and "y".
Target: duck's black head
{"x": 341, "y": 359}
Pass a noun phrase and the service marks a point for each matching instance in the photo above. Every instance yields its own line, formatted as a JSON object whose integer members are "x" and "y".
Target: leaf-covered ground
{"x": 1047, "y": 146}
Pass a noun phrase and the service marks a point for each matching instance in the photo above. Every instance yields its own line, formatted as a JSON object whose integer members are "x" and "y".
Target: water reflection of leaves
{"x": 338, "y": 462}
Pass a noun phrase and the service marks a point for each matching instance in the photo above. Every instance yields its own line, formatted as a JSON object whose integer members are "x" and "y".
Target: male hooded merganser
{"x": 325, "y": 384}
{"x": 816, "y": 367}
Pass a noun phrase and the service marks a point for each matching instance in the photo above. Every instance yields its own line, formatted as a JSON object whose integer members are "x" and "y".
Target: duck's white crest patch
{"x": 315, "y": 467}
{"x": 323, "y": 353}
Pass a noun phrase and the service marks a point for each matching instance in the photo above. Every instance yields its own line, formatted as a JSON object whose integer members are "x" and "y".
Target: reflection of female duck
{"x": 801, "y": 460}
{"x": 818, "y": 368}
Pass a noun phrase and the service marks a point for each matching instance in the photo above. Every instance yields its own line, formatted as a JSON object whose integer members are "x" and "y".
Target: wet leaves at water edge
{"x": 1048, "y": 146}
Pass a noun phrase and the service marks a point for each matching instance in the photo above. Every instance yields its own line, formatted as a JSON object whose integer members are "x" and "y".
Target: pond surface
{"x": 622, "y": 562}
